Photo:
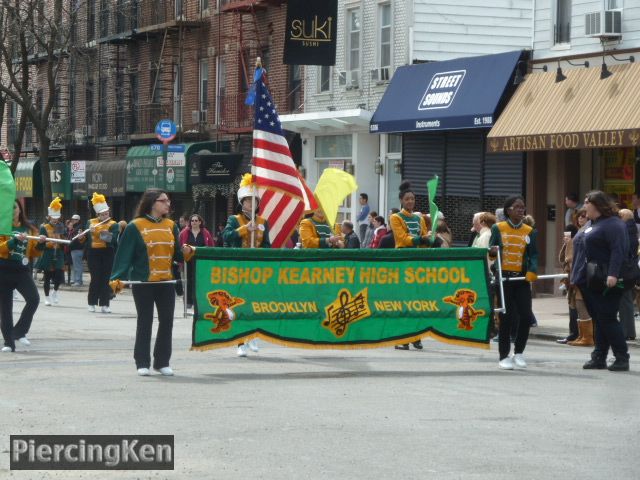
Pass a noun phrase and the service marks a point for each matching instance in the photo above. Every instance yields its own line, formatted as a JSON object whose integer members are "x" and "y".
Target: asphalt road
{"x": 444, "y": 412}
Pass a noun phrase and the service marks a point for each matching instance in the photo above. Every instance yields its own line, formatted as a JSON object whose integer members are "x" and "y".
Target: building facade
{"x": 578, "y": 121}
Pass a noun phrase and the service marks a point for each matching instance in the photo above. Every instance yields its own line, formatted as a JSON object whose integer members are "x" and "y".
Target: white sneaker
{"x": 47, "y": 301}
{"x": 144, "y": 372}
{"x": 253, "y": 345}
{"x": 105, "y": 310}
{"x": 6, "y": 349}
{"x": 25, "y": 341}
{"x": 518, "y": 360}
{"x": 54, "y": 297}
{"x": 506, "y": 363}
{"x": 242, "y": 351}
{"x": 166, "y": 371}
{"x": 92, "y": 308}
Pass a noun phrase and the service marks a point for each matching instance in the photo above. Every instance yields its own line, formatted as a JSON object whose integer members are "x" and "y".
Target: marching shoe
{"x": 7, "y": 349}
{"x": 47, "y": 301}
{"x": 54, "y": 297}
{"x": 92, "y": 308}
{"x": 518, "y": 360}
{"x": 166, "y": 371}
{"x": 595, "y": 364}
{"x": 25, "y": 341}
{"x": 417, "y": 345}
{"x": 242, "y": 350}
{"x": 506, "y": 363}
{"x": 253, "y": 345}
{"x": 144, "y": 372}
{"x": 105, "y": 309}
{"x": 619, "y": 365}
{"x": 402, "y": 347}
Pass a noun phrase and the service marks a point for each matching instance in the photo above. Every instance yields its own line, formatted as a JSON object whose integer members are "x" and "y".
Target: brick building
{"x": 135, "y": 62}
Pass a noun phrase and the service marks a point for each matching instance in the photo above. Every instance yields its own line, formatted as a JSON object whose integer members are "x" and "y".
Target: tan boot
{"x": 586, "y": 326}
{"x": 580, "y": 334}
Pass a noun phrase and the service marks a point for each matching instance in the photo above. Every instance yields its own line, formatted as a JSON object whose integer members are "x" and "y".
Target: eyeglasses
{"x": 163, "y": 200}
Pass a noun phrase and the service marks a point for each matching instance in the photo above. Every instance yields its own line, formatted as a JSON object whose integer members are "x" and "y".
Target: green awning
{"x": 28, "y": 178}
{"x": 145, "y": 169}
{"x": 61, "y": 180}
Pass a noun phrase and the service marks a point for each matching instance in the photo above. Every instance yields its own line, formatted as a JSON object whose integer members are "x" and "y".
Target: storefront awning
{"x": 582, "y": 111}
{"x": 316, "y": 122}
{"x": 28, "y": 178}
{"x": 454, "y": 94}
{"x": 104, "y": 176}
{"x": 145, "y": 170}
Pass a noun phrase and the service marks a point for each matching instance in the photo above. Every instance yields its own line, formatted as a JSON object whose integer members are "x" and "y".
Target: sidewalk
{"x": 552, "y": 314}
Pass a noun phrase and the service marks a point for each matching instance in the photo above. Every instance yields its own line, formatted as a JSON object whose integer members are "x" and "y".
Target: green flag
{"x": 432, "y": 188}
{"x": 7, "y": 198}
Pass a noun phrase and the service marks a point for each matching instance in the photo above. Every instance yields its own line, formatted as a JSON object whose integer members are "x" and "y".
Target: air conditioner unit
{"x": 87, "y": 131}
{"x": 604, "y": 23}
{"x": 350, "y": 79}
{"x": 211, "y": 51}
{"x": 353, "y": 79}
{"x": 342, "y": 78}
{"x": 380, "y": 75}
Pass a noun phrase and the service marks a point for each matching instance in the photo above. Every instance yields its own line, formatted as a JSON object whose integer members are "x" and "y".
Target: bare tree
{"x": 36, "y": 48}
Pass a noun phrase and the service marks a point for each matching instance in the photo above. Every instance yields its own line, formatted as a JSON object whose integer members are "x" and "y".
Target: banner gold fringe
{"x": 337, "y": 346}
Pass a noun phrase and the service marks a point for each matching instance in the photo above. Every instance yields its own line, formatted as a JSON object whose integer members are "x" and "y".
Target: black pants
{"x": 608, "y": 331}
{"x": 20, "y": 280}
{"x": 100, "y": 261}
{"x": 191, "y": 279}
{"x": 163, "y": 296}
{"x": 57, "y": 276}
{"x": 517, "y": 298}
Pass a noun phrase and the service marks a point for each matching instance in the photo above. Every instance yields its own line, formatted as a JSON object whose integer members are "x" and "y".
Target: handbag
{"x": 597, "y": 275}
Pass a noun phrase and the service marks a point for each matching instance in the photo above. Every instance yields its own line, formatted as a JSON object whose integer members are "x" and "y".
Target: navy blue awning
{"x": 448, "y": 95}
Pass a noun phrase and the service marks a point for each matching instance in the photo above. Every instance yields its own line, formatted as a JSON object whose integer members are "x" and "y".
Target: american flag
{"x": 284, "y": 195}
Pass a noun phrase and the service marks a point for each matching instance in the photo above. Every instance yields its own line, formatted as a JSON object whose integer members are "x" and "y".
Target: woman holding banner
{"x": 52, "y": 260}
{"x": 15, "y": 254}
{"x": 241, "y": 228}
{"x": 148, "y": 247}
{"x": 410, "y": 231}
{"x": 519, "y": 255}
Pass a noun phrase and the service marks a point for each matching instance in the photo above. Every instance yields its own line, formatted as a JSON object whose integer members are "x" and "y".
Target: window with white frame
{"x": 562, "y": 24}
{"x": 324, "y": 78}
{"x": 354, "y": 26}
{"x": 204, "y": 89}
{"x": 335, "y": 151}
{"x": 613, "y": 4}
{"x": 384, "y": 39}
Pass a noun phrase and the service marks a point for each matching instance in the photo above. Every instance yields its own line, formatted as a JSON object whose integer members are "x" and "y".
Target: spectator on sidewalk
{"x": 627, "y": 307}
{"x": 76, "y": 250}
{"x": 351, "y": 240}
{"x": 580, "y": 323}
{"x": 605, "y": 241}
{"x": 362, "y": 219}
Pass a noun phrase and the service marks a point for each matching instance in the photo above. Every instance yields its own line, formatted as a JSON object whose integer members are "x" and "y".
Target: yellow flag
{"x": 333, "y": 187}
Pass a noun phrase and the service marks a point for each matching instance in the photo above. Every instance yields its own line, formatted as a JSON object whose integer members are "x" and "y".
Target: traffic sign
{"x": 166, "y": 130}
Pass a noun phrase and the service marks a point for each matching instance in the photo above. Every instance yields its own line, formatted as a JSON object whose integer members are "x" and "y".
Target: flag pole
{"x": 253, "y": 173}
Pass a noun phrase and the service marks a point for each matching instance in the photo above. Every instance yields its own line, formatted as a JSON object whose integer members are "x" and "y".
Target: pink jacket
{"x": 184, "y": 236}
{"x": 377, "y": 236}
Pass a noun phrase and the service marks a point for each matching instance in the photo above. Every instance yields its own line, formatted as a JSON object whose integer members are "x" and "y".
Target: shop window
{"x": 334, "y": 146}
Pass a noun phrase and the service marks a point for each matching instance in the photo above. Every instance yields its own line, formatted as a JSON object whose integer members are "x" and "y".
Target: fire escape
{"x": 162, "y": 25}
{"x": 247, "y": 40}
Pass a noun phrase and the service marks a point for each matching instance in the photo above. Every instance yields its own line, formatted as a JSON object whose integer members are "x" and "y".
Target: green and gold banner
{"x": 341, "y": 299}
